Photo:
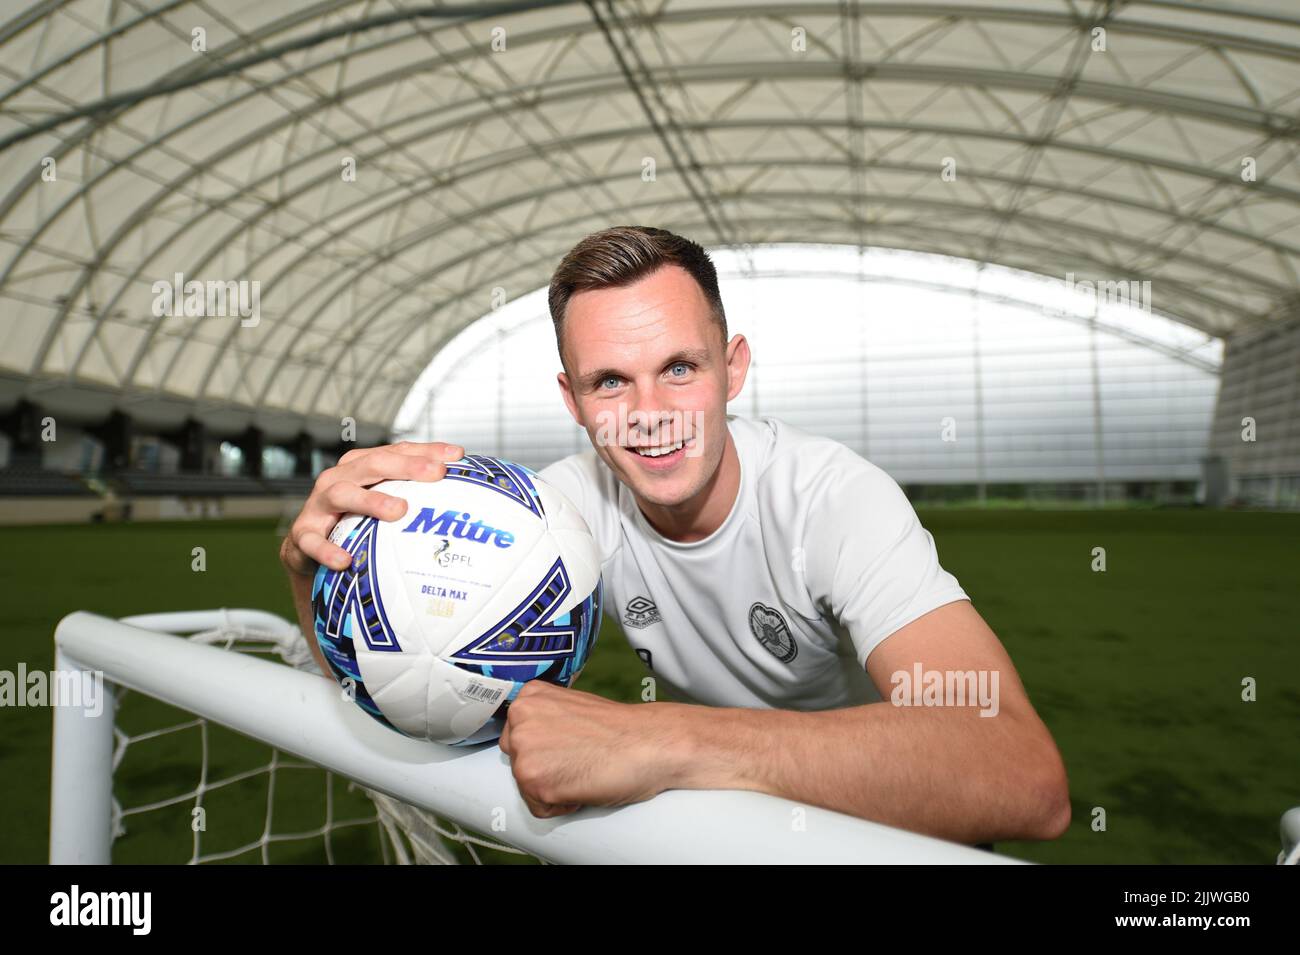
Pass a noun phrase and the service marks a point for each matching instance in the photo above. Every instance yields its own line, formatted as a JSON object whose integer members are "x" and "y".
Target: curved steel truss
{"x": 382, "y": 171}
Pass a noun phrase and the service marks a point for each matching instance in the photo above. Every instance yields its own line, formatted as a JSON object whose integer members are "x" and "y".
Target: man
{"x": 776, "y": 577}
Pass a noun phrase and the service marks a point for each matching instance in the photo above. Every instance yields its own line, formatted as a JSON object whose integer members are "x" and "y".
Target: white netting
{"x": 407, "y": 834}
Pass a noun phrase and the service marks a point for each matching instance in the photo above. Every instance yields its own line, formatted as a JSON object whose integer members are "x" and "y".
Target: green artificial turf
{"x": 1137, "y": 671}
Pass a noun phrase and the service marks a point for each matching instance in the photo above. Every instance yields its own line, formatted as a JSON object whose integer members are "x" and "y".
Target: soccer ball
{"x": 490, "y": 579}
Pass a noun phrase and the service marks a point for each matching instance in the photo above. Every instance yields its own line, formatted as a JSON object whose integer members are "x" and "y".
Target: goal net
{"x": 211, "y": 736}
{"x": 176, "y": 776}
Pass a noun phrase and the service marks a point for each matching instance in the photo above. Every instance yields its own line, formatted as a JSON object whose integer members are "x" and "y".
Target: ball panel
{"x": 335, "y": 624}
{"x": 456, "y": 547}
{"x": 489, "y": 579}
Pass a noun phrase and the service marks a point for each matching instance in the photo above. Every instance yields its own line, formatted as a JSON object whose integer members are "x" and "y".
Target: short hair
{"x": 622, "y": 255}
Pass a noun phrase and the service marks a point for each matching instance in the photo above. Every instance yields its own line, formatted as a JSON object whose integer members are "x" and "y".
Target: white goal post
{"x": 303, "y": 714}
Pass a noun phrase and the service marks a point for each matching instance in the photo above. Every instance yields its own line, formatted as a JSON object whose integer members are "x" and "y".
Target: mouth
{"x": 660, "y": 457}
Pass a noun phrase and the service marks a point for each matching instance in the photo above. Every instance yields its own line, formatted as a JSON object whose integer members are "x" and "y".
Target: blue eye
{"x": 685, "y": 368}
{"x": 605, "y": 381}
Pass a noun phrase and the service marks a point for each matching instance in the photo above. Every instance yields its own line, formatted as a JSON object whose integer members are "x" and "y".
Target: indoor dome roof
{"x": 489, "y": 138}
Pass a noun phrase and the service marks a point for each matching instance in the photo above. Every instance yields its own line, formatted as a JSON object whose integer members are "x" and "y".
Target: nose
{"x": 647, "y": 414}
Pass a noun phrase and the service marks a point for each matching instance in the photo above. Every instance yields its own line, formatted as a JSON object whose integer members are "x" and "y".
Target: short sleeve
{"x": 582, "y": 479}
{"x": 566, "y": 475}
{"x": 869, "y": 562}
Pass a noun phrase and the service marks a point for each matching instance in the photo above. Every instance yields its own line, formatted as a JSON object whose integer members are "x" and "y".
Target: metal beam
{"x": 1284, "y": 126}
{"x": 403, "y": 331}
{"x": 499, "y": 160}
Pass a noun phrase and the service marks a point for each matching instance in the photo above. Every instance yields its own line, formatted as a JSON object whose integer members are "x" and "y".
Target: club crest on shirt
{"x": 772, "y": 632}
{"x": 640, "y": 613}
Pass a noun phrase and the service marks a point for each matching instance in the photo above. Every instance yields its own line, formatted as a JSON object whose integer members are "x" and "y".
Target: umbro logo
{"x": 641, "y": 613}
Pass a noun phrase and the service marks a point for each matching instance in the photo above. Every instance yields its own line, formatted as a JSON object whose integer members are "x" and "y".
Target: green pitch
{"x": 1138, "y": 672}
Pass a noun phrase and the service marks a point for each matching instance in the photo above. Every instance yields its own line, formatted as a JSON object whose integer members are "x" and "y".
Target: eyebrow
{"x": 696, "y": 356}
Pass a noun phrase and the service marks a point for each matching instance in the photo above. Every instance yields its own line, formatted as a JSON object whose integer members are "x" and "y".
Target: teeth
{"x": 657, "y": 452}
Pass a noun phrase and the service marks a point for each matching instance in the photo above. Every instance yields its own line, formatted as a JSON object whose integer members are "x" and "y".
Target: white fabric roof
{"x": 478, "y": 168}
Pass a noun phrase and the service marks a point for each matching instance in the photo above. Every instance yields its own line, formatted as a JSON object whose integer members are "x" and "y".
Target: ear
{"x": 737, "y": 365}
{"x": 566, "y": 392}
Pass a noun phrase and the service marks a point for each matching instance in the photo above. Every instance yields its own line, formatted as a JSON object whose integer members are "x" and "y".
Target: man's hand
{"x": 343, "y": 489}
{"x": 570, "y": 749}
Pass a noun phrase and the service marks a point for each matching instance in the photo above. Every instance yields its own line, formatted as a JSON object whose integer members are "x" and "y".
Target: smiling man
{"x": 776, "y": 582}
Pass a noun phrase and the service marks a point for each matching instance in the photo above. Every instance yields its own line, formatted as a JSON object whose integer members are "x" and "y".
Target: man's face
{"x": 649, "y": 377}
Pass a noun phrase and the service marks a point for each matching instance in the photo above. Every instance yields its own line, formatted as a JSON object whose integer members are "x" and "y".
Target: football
{"x": 489, "y": 580}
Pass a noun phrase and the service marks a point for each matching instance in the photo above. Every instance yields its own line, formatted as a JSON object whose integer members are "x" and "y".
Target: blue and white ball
{"x": 490, "y": 579}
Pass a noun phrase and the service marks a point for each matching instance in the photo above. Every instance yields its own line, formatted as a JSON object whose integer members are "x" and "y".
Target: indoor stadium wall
{"x": 1255, "y": 442}
{"x": 1042, "y": 408}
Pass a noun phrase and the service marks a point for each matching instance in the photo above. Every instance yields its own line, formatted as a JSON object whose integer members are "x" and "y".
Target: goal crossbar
{"x": 303, "y": 714}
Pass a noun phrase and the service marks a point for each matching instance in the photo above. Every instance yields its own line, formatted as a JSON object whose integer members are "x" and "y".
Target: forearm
{"x": 300, "y": 588}
{"x": 945, "y": 772}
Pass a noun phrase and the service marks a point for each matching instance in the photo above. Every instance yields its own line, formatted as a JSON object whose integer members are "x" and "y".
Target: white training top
{"x": 821, "y": 558}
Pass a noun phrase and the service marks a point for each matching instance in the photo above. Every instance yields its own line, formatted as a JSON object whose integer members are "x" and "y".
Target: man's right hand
{"x": 344, "y": 489}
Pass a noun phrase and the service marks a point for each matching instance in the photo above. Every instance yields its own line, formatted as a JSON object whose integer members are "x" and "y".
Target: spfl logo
{"x": 444, "y": 556}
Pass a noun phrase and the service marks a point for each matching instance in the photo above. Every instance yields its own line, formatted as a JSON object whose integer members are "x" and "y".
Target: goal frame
{"x": 301, "y": 713}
